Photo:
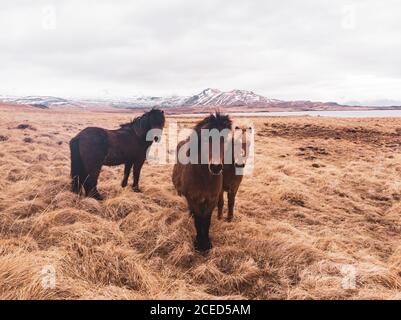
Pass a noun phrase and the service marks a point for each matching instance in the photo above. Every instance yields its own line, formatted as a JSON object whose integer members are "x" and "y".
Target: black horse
{"x": 94, "y": 147}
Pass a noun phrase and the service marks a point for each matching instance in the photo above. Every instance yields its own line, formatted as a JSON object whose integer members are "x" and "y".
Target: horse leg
{"x": 220, "y": 205}
{"x": 206, "y": 226}
{"x": 231, "y": 202}
{"x": 198, "y": 243}
{"x": 90, "y": 184}
{"x": 202, "y": 224}
{"x": 127, "y": 169}
{"x": 137, "y": 173}
{"x": 94, "y": 149}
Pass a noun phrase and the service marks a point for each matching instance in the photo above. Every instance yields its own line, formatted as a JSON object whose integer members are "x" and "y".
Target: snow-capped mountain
{"x": 215, "y": 97}
{"x": 206, "y": 100}
{"x": 148, "y": 102}
{"x": 46, "y": 101}
{"x": 208, "y": 97}
{"x": 131, "y": 102}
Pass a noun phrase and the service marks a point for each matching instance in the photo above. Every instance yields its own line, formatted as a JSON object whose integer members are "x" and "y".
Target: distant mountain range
{"x": 233, "y": 98}
{"x": 375, "y": 103}
{"x": 209, "y": 98}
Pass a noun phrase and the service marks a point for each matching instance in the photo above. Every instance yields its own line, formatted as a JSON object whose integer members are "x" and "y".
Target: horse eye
{"x": 236, "y": 128}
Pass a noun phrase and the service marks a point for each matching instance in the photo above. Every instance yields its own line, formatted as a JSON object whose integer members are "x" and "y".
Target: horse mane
{"x": 130, "y": 125}
{"x": 134, "y": 122}
{"x": 215, "y": 120}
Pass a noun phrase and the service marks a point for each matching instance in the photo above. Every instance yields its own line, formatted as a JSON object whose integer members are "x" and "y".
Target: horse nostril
{"x": 156, "y": 139}
{"x": 216, "y": 168}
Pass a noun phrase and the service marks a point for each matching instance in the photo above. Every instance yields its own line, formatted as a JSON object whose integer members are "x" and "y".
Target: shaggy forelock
{"x": 216, "y": 120}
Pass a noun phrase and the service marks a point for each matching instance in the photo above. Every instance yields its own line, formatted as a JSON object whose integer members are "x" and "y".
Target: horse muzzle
{"x": 215, "y": 169}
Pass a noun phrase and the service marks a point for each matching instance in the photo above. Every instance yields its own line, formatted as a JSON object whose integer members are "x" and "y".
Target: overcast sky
{"x": 310, "y": 49}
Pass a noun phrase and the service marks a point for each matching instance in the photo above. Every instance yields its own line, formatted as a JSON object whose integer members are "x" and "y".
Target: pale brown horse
{"x": 233, "y": 173}
{"x": 94, "y": 147}
{"x": 201, "y": 183}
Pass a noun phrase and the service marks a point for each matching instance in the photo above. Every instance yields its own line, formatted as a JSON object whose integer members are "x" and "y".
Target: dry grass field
{"x": 325, "y": 196}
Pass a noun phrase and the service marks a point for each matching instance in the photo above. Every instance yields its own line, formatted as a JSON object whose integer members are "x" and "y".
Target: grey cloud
{"x": 289, "y": 49}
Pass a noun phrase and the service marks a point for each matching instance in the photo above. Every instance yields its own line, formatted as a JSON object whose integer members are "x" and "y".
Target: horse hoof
{"x": 202, "y": 246}
{"x": 229, "y": 219}
{"x": 97, "y": 196}
{"x": 136, "y": 189}
{"x": 124, "y": 184}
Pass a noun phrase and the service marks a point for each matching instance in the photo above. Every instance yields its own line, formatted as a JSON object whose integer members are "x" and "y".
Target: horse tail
{"x": 77, "y": 167}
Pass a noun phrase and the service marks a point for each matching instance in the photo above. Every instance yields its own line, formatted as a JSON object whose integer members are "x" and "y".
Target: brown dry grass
{"x": 325, "y": 193}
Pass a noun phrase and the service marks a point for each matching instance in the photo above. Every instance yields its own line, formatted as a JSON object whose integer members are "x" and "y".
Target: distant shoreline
{"x": 376, "y": 113}
{"x": 351, "y": 112}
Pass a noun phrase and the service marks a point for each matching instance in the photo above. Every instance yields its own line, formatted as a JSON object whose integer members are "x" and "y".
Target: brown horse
{"x": 200, "y": 183}
{"x": 233, "y": 173}
{"x": 94, "y": 147}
